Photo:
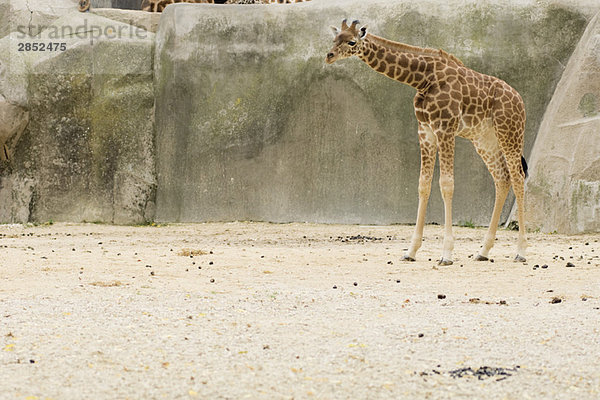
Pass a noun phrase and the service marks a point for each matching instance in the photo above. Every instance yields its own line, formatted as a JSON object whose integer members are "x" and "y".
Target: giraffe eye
{"x": 352, "y": 43}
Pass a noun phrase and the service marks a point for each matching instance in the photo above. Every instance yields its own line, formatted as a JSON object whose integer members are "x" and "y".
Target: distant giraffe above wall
{"x": 160, "y": 5}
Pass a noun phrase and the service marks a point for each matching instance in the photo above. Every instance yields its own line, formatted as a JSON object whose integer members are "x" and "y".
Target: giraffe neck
{"x": 410, "y": 65}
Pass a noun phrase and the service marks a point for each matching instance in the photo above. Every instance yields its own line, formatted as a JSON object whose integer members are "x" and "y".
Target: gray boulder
{"x": 31, "y": 16}
{"x": 563, "y": 192}
{"x": 14, "y": 69}
{"x": 87, "y": 153}
{"x": 144, "y": 20}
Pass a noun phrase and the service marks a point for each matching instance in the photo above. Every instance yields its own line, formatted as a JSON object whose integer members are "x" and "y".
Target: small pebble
{"x": 355, "y": 283}
{"x": 441, "y": 296}
{"x": 152, "y": 273}
{"x": 390, "y": 263}
{"x": 335, "y": 286}
{"x": 397, "y": 280}
{"x": 545, "y": 266}
{"x": 570, "y": 265}
{"x": 210, "y": 263}
{"x": 556, "y": 300}
{"x": 212, "y": 281}
{"x": 421, "y": 334}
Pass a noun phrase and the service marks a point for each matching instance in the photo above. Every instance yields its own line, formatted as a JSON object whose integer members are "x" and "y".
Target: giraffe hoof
{"x": 481, "y": 258}
{"x": 444, "y": 261}
{"x": 520, "y": 259}
{"x": 408, "y": 258}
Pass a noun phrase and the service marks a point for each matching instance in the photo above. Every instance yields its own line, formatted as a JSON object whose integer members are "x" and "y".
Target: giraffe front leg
{"x": 446, "y": 150}
{"x": 427, "y": 143}
{"x": 417, "y": 238}
{"x": 502, "y": 188}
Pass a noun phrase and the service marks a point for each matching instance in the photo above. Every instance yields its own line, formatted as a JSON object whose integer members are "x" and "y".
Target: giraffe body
{"x": 451, "y": 100}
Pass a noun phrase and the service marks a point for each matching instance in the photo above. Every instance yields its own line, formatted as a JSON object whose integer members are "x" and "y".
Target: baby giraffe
{"x": 451, "y": 100}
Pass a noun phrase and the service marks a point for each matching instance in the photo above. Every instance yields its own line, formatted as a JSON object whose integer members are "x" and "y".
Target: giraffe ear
{"x": 362, "y": 33}
{"x": 335, "y": 30}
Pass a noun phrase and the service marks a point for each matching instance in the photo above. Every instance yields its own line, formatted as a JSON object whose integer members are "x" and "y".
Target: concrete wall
{"x": 252, "y": 125}
{"x": 230, "y": 113}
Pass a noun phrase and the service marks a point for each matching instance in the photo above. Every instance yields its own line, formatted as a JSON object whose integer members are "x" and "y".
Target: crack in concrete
{"x": 30, "y": 16}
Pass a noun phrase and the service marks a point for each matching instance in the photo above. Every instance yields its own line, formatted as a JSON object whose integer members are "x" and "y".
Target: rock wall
{"x": 229, "y": 112}
{"x": 564, "y": 188}
{"x": 252, "y": 125}
{"x": 87, "y": 152}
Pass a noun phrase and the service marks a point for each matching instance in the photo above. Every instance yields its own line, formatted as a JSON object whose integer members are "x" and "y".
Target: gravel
{"x": 93, "y": 323}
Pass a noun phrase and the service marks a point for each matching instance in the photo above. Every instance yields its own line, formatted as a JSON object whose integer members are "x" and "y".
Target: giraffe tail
{"x": 524, "y": 166}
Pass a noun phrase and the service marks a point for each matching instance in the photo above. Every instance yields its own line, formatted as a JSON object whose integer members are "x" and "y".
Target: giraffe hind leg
{"x": 488, "y": 148}
{"x": 513, "y": 154}
{"x": 508, "y": 114}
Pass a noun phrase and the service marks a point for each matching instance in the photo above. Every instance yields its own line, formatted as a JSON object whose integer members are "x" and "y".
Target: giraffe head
{"x": 347, "y": 42}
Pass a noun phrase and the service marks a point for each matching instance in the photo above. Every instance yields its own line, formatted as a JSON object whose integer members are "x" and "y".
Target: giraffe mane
{"x": 415, "y": 50}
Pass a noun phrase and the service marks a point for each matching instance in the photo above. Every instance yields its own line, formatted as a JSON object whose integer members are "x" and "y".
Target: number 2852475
{"x": 28, "y": 46}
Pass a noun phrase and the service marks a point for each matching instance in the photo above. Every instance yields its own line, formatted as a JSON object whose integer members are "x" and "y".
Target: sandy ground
{"x": 293, "y": 311}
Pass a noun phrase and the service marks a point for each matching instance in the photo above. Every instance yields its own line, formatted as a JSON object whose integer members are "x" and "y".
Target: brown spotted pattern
{"x": 451, "y": 100}
{"x": 264, "y": 1}
{"x": 160, "y": 5}
{"x": 84, "y": 5}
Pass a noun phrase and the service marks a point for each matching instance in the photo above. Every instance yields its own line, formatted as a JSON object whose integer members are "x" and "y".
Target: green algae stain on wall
{"x": 588, "y": 105}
